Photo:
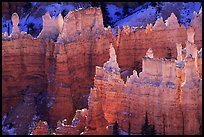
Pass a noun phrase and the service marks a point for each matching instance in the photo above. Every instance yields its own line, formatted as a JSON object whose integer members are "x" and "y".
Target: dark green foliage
{"x": 153, "y": 131}
{"x": 169, "y": 54}
{"x": 125, "y": 9}
{"x": 154, "y": 4}
{"x": 106, "y": 17}
{"x": 158, "y": 7}
{"x": 115, "y": 128}
{"x": 30, "y": 28}
{"x": 117, "y": 13}
{"x": 140, "y": 3}
{"x": 50, "y": 131}
{"x": 95, "y": 4}
{"x": 10, "y": 9}
{"x": 145, "y": 126}
{"x": 8, "y": 29}
{"x": 27, "y": 7}
{"x": 129, "y": 128}
{"x": 200, "y": 129}
{"x": 64, "y": 13}
{"x": 148, "y": 129}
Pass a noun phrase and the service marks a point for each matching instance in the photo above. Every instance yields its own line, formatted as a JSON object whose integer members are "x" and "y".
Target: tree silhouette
{"x": 106, "y": 17}
{"x": 125, "y": 9}
{"x": 95, "y": 4}
{"x": 153, "y": 131}
{"x": 129, "y": 128}
{"x": 27, "y": 6}
{"x": 8, "y": 29}
{"x": 64, "y": 13}
{"x": 145, "y": 126}
{"x": 148, "y": 129}
{"x": 115, "y": 128}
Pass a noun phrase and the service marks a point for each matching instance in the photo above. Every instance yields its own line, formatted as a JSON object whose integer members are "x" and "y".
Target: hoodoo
{"x": 77, "y": 70}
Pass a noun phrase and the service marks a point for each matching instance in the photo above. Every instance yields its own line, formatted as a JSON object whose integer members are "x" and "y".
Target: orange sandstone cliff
{"x": 52, "y": 75}
{"x": 173, "y": 108}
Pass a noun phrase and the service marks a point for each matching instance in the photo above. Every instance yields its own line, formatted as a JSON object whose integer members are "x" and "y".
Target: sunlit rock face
{"x": 77, "y": 126}
{"x": 63, "y": 72}
{"x": 199, "y": 61}
{"x": 51, "y": 27}
{"x": 132, "y": 43}
{"x": 163, "y": 98}
{"x": 52, "y": 75}
{"x": 41, "y": 128}
{"x": 83, "y": 24}
{"x": 15, "y": 20}
{"x": 196, "y": 23}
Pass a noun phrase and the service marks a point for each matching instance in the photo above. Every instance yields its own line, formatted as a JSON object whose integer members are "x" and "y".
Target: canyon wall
{"x": 56, "y": 71}
{"x": 132, "y": 43}
{"x": 173, "y": 106}
{"x": 24, "y": 79}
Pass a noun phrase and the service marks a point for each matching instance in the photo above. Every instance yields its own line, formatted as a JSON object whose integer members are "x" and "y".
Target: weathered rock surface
{"x": 95, "y": 123}
{"x": 77, "y": 126}
{"x": 58, "y": 76}
{"x": 51, "y": 27}
{"x": 82, "y": 24}
{"x": 23, "y": 77}
{"x": 41, "y": 128}
{"x": 163, "y": 97}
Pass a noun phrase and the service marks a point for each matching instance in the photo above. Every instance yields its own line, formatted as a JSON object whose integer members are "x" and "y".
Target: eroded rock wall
{"x": 24, "y": 75}
{"x": 168, "y": 103}
{"x": 64, "y": 71}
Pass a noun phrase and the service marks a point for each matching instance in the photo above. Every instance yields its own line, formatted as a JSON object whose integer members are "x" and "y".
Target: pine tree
{"x": 125, "y": 9}
{"x": 8, "y": 29}
{"x": 27, "y": 7}
{"x": 64, "y": 13}
{"x": 95, "y": 4}
{"x": 129, "y": 128}
{"x": 153, "y": 131}
{"x": 115, "y": 128}
{"x": 106, "y": 18}
{"x": 145, "y": 126}
{"x": 154, "y": 4}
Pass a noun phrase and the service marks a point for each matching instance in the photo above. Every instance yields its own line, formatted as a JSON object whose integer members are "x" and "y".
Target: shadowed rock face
{"x": 24, "y": 80}
{"x": 56, "y": 77}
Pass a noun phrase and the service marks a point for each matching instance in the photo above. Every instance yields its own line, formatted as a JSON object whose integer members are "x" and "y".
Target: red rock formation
{"x": 158, "y": 91}
{"x": 41, "y": 128}
{"x": 66, "y": 69}
{"x": 197, "y": 25}
{"x": 191, "y": 99}
{"x": 78, "y": 124}
{"x": 82, "y": 24}
{"x": 96, "y": 124}
{"x": 28, "y": 81}
{"x": 200, "y": 63}
{"x": 51, "y": 27}
{"x": 132, "y": 43}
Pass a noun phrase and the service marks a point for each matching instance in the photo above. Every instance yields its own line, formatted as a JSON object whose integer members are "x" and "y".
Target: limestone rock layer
{"x": 55, "y": 71}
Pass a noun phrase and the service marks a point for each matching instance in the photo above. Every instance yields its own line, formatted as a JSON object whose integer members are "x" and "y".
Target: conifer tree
{"x": 115, "y": 128}
{"x": 125, "y": 9}
{"x": 95, "y": 4}
{"x": 145, "y": 126}
{"x": 106, "y": 17}
{"x": 129, "y": 128}
{"x": 8, "y": 29}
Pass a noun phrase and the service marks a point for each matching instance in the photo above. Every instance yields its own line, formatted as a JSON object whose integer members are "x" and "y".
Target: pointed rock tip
{"x": 149, "y": 53}
{"x": 173, "y": 15}
{"x": 200, "y": 11}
